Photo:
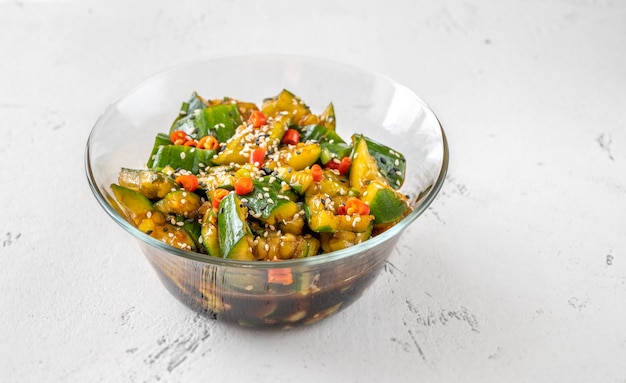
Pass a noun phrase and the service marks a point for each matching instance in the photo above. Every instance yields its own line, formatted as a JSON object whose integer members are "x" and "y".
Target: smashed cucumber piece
{"x": 220, "y": 121}
{"x": 331, "y": 144}
{"x": 140, "y": 210}
{"x": 235, "y": 237}
{"x": 150, "y": 183}
{"x": 179, "y": 202}
{"x": 188, "y": 107}
{"x": 386, "y": 204}
{"x": 134, "y": 205}
{"x": 181, "y": 157}
{"x": 269, "y": 203}
{"x": 287, "y": 103}
{"x": 210, "y": 237}
{"x": 391, "y": 164}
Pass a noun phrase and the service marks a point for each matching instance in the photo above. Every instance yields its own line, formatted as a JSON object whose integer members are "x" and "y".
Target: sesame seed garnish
{"x": 182, "y": 155}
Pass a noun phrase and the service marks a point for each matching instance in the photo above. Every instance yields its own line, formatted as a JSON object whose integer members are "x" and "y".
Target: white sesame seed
{"x": 182, "y": 155}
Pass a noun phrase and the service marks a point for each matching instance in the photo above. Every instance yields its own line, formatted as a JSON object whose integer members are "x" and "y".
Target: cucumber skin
{"x": 182, "y": 157}
{"x": 220, "y": 121}
{"x": 331, "y": 144}
{"x": 391, "y": 164}
{"x": 233, "y": 230}
{"x": 386, "y": 207}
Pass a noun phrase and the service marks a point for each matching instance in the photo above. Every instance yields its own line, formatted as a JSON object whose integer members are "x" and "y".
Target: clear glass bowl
{"x": 239, "y": 291}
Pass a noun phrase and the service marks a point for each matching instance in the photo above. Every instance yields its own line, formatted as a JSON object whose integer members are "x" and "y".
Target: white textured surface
{"x": 521, "y": 273}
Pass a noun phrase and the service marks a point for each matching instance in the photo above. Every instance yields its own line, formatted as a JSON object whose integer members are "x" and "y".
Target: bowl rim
{"x": 423, "y": 202}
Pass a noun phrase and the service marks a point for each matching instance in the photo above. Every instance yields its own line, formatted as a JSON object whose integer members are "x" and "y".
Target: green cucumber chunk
{"x": 182, "y": 157}
{"x": 193, "y": 228}
{"x": 386, "y": 204}
{"x": 188, "y": 107}
{"x": 220, "y": 121}
{"x": 133, "y": 205}
{"x": 160, "y": 141}
{"x": 235, "y": 236}
{"x": 210, "y": 237}
{"x": 391, "y": 164}
{"x": 331, "y": 144}
{"x": 179, "y": 202}
{"x": 268, "y": 203}
{"x": 150, "y": 183}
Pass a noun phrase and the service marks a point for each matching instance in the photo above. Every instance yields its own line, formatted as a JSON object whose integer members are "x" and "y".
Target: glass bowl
{"x": 240, "y": 292}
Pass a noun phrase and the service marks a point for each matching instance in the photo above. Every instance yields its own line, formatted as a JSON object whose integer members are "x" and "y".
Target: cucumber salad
{"x": 233, "y": 179}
